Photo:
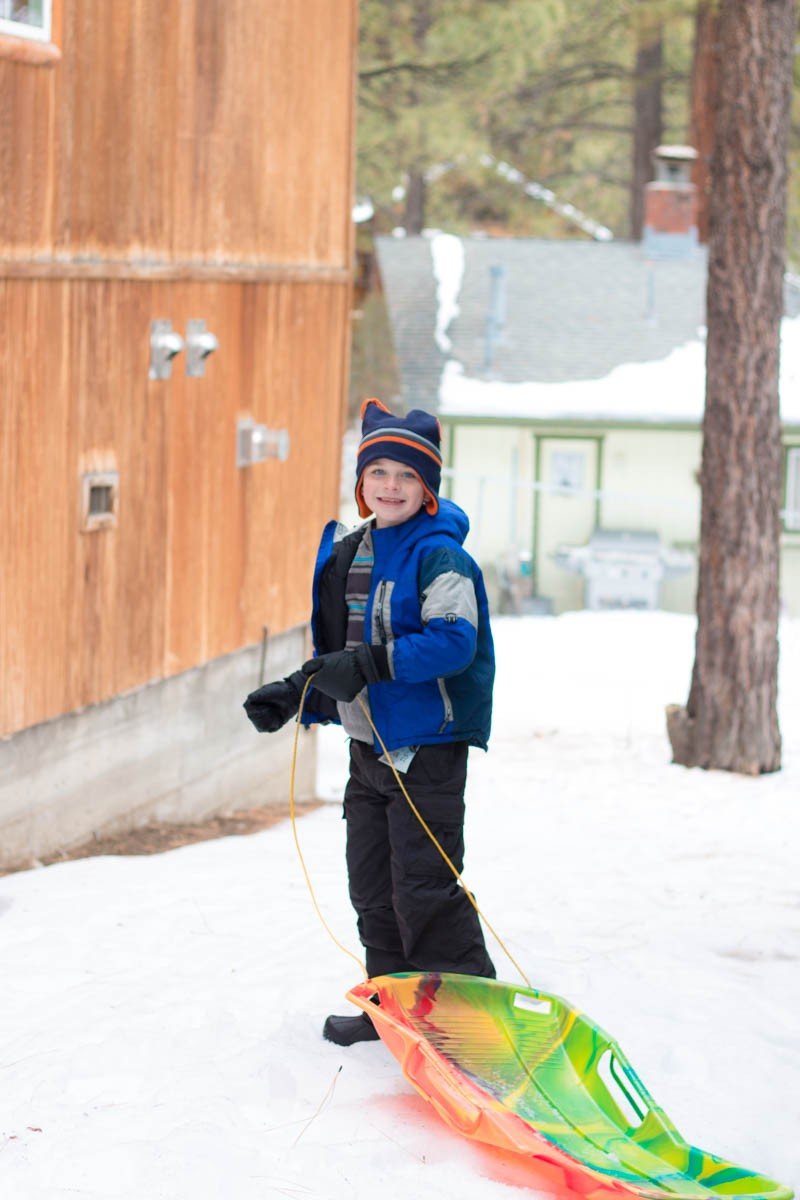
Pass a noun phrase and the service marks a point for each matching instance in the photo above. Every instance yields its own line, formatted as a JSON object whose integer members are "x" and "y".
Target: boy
{"x": 400, "y": 619}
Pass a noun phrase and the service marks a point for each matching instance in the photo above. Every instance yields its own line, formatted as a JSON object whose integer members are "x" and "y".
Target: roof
{"x": 592, "y": 330}
{"x": 409, "y": 284}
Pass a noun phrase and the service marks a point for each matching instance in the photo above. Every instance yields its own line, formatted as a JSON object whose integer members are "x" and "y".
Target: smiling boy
{"x": 392, "y": 491}
{"x": 400, "y": 622}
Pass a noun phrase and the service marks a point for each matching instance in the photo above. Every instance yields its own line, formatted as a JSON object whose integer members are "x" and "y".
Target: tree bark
{"x": 704, "y": 99}
{"x": 730, "y": 720}
{"x": 415, "y": 201}
{"x": 647, "y": 113}
{"x": 422, "y": 20}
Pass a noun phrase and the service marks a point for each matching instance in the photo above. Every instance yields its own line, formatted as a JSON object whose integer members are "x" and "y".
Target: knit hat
{"x": 413, "y": 440}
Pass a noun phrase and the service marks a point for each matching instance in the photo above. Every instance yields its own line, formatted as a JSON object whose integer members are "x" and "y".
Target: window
{"x": 791, "y": 516}
{"x": 26, "y": 19}
{"x": 567, "y": 471}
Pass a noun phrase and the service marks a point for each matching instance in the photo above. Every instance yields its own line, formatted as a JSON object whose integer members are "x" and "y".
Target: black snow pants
{"x": 412, "y": 913}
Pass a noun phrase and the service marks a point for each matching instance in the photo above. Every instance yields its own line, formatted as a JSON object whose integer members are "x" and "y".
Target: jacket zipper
{"x": 448, "y": 706}
{"x": 381, "y": 624}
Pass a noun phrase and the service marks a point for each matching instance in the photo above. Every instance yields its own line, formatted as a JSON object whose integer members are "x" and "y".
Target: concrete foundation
{"x": 177, "y": 750}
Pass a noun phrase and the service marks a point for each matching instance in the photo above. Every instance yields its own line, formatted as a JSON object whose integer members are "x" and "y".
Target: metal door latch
{"x": 165, "y": 343}
{"x": 199, "y": 344}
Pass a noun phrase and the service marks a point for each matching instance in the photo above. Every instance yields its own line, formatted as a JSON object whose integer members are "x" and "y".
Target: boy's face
{"x": 392, "y": 491}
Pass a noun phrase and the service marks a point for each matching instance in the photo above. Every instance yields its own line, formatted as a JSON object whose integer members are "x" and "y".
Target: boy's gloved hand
{"x": 271, "y": 706}
{"x": 343, "y": 673}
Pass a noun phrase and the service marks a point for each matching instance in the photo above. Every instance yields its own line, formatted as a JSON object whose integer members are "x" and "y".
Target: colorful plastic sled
{"x": 523, "y": 1071}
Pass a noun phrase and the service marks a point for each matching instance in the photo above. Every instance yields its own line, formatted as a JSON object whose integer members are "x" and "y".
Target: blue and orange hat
{"x": 413, "y": 440}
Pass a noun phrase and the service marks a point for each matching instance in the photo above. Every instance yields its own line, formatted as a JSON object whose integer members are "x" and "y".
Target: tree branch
{"x": 447, "y": 67}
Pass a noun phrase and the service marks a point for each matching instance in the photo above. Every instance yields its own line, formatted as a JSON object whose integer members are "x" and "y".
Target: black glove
{"x": 271, "y": 706}
{"x": 342, "y": 674}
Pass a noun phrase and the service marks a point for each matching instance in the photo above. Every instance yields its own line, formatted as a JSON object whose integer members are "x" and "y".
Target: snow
{"x": 161, "y": 1016}
{"x": 447, "y": 253}
{"x": 536, "y": 191}
{"x": 667, "y": 390}
{"x": 363, "y": 210}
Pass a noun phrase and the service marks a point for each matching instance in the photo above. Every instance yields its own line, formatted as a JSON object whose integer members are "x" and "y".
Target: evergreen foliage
{"x": 548, "y": 86}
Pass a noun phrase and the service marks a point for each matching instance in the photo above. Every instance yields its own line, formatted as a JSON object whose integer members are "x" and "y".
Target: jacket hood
{"x": 450, "y": 521}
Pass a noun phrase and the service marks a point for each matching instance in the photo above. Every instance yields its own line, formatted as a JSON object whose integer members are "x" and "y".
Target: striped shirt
{"x": 356, "y": 594}
{"x": 359, "y": 581}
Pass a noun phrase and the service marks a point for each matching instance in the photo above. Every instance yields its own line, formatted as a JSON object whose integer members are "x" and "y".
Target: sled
{"x": 523, "y": 1071}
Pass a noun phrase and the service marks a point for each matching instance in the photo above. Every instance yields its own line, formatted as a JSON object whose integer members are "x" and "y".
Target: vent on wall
{"x": 99, "y": 500}
{"x": 256, "y": 443}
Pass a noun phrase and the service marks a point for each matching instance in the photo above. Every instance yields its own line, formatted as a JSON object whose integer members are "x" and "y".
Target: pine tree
{"x": 703, "y": 102}
{"x": 730, "y": 720}
{"x": 648, "y": 121}
{"x": 561, "y": 89}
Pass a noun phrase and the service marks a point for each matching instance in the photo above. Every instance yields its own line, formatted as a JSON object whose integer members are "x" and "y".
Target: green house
{"x": 569, "y": 380}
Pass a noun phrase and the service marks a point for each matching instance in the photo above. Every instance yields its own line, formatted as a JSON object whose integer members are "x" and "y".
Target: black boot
{"x": 344, "y": 1031}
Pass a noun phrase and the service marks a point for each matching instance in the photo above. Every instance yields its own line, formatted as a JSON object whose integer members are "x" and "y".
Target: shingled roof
{"x": 409, "y": 285}
{"x": 574, "y": 310}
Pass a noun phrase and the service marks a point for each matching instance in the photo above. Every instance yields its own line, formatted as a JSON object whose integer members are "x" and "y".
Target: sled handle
{"x": 621, "y": 1087}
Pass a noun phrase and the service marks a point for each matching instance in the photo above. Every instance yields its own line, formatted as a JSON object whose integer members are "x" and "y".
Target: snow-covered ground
{"x": 160, "y": 1017}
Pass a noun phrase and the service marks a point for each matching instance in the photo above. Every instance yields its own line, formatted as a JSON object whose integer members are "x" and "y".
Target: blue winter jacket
{"x": 427, "y": 604}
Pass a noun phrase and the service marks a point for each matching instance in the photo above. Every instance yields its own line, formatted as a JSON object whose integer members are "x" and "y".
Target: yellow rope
{"x": 422, "y": 822}
{"x": 333, "y": 936}
{"x": 433, "y": 838}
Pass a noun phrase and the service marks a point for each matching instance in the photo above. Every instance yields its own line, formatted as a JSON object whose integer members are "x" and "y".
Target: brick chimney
{"x": 670, "y": 205}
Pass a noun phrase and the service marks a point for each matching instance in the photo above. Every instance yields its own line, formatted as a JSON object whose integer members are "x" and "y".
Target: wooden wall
{"x": 204, "y": 553}
{"x": 183, "y": 160}
{"x": 183, "y": 130}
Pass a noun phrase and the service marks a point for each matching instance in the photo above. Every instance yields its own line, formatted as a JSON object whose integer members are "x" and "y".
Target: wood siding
{"x": 182, "y": 159}
{"x": 204, "y": 553}
{"x": 182, "y": 131}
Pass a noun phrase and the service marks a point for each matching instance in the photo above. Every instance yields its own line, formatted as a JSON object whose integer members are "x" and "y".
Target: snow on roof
{"x": 577, "y": 340}
{"x": 670, "y": 390}
{"x": 667, "y": 391}
{"x": 447, "y": 253}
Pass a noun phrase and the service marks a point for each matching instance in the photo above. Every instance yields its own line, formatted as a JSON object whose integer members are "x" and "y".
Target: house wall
{"x": 790, "y": 576}
{"x": 178, "y": 750}
{"x": 204, "y": 553}
{"x": 647, "y": 479}
{"x": 790, "y": 552}
{"x": 205, "y": 131}
{"x": 175, "y": 162}
{"x": 492, "y": 471}
{"x": 164, "y": 161}
{"x": 650, "y": 482}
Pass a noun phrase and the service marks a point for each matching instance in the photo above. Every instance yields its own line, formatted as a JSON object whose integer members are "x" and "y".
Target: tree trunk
{"x": 415, "y": 202}
{"x": 704, "y": 99}
{"x": 647, "y": 114}
{"x": 730, "y": 720}
{"x": 416, "y": 187}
